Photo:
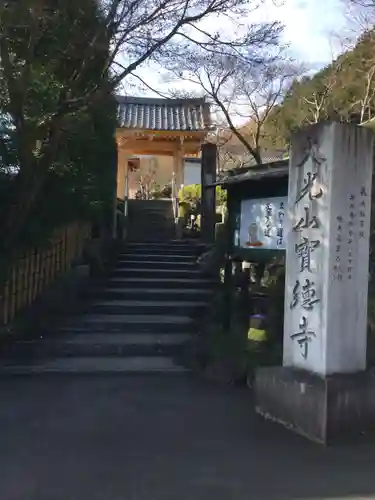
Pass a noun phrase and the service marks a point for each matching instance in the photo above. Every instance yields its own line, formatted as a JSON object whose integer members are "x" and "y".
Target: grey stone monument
{"x": 323, "y": 390}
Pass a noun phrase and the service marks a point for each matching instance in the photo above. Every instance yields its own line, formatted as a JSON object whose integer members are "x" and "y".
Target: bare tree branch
{"x": 129, "y": 34}
{"x": 241, "y": 89}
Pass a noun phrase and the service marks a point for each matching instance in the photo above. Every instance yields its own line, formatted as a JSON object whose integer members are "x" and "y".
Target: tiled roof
{"x": 267, "y": 157}
{"x": 278, "y": 168}
{"x": 163, "y": 114}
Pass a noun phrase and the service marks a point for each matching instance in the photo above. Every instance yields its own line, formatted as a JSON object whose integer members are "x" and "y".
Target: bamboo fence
{"x": 36, "y": 269}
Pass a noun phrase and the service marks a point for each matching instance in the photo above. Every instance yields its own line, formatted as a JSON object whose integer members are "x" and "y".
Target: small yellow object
{"x": 257, "y": 335}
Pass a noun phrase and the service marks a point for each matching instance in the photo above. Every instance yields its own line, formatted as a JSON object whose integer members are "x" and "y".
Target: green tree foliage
{"x": 192, "y": 194}
{"x": 343, "y": 90}
{"x": 57, "y": 160}
{"x": 58, "y": 61}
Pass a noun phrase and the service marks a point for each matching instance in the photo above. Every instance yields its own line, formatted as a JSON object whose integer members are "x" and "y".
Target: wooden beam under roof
{"x": 158, "y": 147}
{"x": 165, "y": 134}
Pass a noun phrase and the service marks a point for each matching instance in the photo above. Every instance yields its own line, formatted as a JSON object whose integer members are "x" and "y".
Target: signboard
{"x": 261, "y": 224}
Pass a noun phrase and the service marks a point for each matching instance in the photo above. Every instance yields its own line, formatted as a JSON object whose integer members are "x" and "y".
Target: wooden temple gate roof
{"x": 148, "y": 126}
{"x": 145, "y": 113}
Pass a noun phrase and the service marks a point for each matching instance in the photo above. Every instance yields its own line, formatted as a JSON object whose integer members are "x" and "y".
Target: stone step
{"x": 157, "y": 264}
{"x": 123, "y": 323}
{"x": 154, "y": 215}
{"x": 165, "y": 210}
{"x": 164, "y": 307}
{"x": 152, "y": 219}
{"x": 95, "y": 365}
{"x": 158, "y": 258}
{"x": 155, "y": 246}
{"x": 139, "y": 323}
{"x": 137, "y": 272}
{"x": 100, "y": 344}
{"x": 150, "y": 225}
{"x": 146, "y": 221}
{"x": 152, "y": 228}
{"x": 149, "y": 204}
{"x": 164, "y": 245}
{"x": 154, "y": 294}
{"x": 176, "y": 242}
{"x": 152, "y": 210}
{"x": 150, "y": 237}
{"x": 163, "y": 220}
{"x": 145, "y": 249}
{"x": 124, "y": 282}
{"x": 162, "y": 208}
{"x": 156, "y": 237}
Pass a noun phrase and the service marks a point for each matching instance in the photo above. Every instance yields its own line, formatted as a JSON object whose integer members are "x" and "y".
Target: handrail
{"x": 126, "y": 195}
{"x": 174, "y": 196}
{"x": 123, "y": 219}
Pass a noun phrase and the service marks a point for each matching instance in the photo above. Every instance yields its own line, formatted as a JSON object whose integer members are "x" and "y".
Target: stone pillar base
{"x": 323, "y": 409}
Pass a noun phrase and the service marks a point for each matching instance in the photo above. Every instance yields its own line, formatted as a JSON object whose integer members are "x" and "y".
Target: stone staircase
{"x": 150, "y": 220}
{"x": 138, "y": 322}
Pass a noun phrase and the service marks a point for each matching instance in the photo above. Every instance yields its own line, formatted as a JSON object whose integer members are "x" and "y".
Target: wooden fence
{"x": 38, "y": 268}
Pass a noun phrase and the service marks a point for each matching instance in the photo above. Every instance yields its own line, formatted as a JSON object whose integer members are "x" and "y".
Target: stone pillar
{"x": 178, "y": 169}
{"x": 122, "y": 186}
{"x": 178, "y": 160}
{"x": 121, "y": 173}
{"x": 208, "y": 204}
{"x": 328, "y": 250}
{"x": 114, "y": 214}
{"x": 320, "y": 389}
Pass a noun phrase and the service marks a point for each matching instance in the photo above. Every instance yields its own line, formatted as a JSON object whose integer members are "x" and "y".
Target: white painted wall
{"x": 192, "y": 173}
{"x": 336, "y": 324}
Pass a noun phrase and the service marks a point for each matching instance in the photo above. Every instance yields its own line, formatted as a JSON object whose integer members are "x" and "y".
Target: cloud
{"x": 308, "y": 26}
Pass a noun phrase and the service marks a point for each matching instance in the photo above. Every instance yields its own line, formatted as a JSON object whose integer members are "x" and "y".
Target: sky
{"x": 310, "y": 29}
{"x": 309, "y": 26}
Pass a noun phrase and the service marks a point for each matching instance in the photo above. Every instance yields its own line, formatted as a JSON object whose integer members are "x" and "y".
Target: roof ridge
{"x": 124, "y": 99}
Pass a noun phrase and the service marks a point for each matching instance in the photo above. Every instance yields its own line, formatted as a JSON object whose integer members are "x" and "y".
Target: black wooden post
{"x": 208, "y": 207}
{"x": 259, "y": 273}
{"x": 228, "y": 286}
{"x": 246, "y": 283}
{"x": 228, "y": 271}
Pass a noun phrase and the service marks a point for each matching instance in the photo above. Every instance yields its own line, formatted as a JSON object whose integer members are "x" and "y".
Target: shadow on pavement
{"x": 154, "y": 438}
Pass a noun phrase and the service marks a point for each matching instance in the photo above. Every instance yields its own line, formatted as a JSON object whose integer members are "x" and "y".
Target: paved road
{"x": 134, "y": 438}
